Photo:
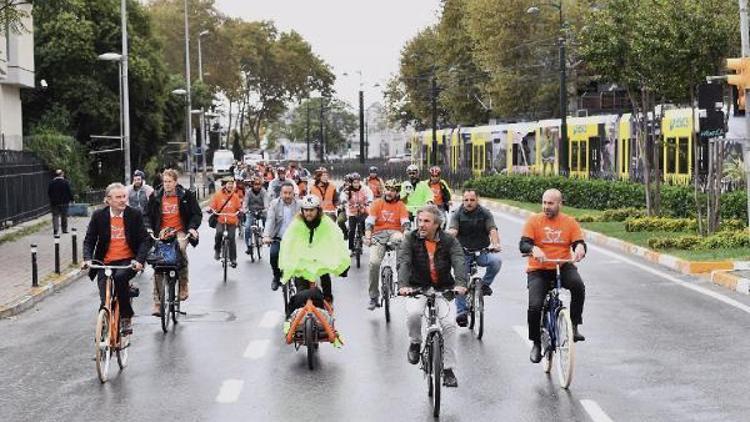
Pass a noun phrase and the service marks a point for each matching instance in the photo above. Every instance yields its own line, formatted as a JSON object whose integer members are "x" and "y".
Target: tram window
{"x": 682, "y": 155}
{"x": 574, "y": 156}
{"x": 583, "y": 161}
{"x": 671, "y": 156}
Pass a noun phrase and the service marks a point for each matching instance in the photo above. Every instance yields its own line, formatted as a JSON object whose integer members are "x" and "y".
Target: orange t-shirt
{"x": 118, "y": 244}
{"x": 170, "y": 212}
{"x": 234, "y": 205}
{"x": 431, "y": 246}
{"x": 437, "y": 193}
{"x": 388, "y": 215}
{"x": 553, "y": 236}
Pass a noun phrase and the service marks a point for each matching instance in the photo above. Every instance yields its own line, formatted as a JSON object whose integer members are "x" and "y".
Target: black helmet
{"x": 373, "y": 169}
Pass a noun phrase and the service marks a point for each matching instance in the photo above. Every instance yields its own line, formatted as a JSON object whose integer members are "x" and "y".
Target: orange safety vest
{"x": 326, "y": 198}
{"x": 376, "y": 186}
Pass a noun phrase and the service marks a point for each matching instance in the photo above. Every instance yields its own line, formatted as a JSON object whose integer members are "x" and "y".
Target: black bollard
{"x": 34, "y": 269}
{"x": 57, "y": 253}
{"x": 74, "y": 237}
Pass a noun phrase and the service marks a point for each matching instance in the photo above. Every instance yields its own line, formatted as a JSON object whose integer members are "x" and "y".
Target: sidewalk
{"x": 16, "y": 293}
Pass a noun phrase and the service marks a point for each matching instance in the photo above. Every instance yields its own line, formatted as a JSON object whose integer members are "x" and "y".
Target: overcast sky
{"x": 350, "y": 35}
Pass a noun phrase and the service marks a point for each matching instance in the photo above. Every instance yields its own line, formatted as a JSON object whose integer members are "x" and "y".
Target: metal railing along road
{"x": 23, "y": 187}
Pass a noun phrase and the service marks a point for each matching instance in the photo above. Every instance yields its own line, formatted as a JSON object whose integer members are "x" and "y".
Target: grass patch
{"x": 24, "y": 232}
{"x": 617, "y": 230}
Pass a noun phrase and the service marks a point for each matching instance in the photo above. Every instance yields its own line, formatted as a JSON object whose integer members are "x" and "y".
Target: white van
{"x": 223, "y": 160}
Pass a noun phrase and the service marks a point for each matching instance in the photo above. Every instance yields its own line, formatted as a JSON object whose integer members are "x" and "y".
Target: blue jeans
{"x": 492, "y": 263}
{"x": 274, "y": 258}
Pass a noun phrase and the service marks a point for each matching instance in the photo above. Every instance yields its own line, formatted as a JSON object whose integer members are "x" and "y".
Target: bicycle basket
{"x": 166, "y": 254}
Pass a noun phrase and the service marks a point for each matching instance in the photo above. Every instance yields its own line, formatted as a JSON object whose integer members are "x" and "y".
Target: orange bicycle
{"x": 108, "y": 339}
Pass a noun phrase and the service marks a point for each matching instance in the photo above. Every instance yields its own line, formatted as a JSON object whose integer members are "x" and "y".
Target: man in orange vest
{"x": 227, "y": 203}
{"x": 375, "y": 183}
{"x": 326, "y": 192}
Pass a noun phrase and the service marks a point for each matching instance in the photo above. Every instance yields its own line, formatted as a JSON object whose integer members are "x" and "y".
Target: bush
{"x": 660, "y": 224}
{"x": 676, "y": 201}
{"x": 682, "y": 242}
{"x": 612, "y": 215}
{"x": 721, "y": 240}
{"x": 62, "y": 152}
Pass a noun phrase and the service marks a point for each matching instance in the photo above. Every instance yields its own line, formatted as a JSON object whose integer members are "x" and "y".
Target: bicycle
{"x": 288, "y": 290}
{"x": 431, "y": 356}
{"x": 224, "y": 243}
{"x": 557, "y": 331}
{"x": 169, "y": 300}
{"x": 316, "y": 326}
{"x": 256, "y": 235}
{"x": 475, "y": 294}
{"x": 388, "y": 278}
{"x": 358, "y": 236}
{"x": 108, "y": 335}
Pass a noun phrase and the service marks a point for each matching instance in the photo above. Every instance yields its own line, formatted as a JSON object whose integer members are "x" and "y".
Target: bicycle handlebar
{"x": 187, "y": 236}
{"x": 102, "y": 266}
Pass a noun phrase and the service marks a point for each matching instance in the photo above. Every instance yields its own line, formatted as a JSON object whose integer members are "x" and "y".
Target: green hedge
{"x": 666, "y": 224}
{"x": 62, "y": 152}
{"x": 607, "y": 216}
{"x": 676, "y": 201}
{"x": 721, "y": 240}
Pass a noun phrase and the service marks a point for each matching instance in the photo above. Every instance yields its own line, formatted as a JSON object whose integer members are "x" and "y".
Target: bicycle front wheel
{"x": 310, "y": 341}
{"x": 102, "y": 344}
{"x": 565, "y": 348}
{"x": 437, "y": 369}
{"x": 167, "y": 286}
{"x": 478, "y": 312}
{"x": 258, "y": 244}
{"x": 173, "y": 300}
{"x": 225, "y": 259}
{"x": 387, "y": 280}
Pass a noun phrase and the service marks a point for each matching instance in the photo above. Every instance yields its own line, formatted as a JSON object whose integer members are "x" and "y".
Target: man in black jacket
{"x": 60, "y": 196}
{"x": 425, "y": 260}
{"x": 116, "y": 236}
{"x": 173, "y": 206}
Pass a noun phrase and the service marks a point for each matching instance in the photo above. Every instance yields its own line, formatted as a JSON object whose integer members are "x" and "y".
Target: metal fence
{"x": 23, "y": 187}
{"x": 338, "y": 169}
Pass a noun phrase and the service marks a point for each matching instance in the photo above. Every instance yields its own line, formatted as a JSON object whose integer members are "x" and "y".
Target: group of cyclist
{"x": 305, "y": 245}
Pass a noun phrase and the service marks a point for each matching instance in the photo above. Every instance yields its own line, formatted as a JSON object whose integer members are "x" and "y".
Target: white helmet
{"x": 412, "y": 167}
{"x": 310, "y": 202}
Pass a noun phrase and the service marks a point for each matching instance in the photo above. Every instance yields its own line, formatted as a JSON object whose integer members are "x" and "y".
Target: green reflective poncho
{"x": 418, "y": 198}
{"x": 327, "y": 253}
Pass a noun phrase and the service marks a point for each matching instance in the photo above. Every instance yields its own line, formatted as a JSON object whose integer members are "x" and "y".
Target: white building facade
{"x": 16, "y": 72}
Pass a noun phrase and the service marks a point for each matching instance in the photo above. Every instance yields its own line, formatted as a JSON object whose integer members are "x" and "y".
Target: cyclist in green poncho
{"x": 414, "y": 193}
{"x": 313, "y": 247}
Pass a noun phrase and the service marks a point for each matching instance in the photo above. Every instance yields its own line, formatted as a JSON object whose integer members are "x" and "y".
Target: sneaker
{"x": 536, "y": 352}
{"x": 449, "y": 378}
{"x": 233, "y": 264}
{"x": 275, "y": 283}
{"x": 126, "y": 326}
{"x": 157, "y": 310}
{"x": 374, "y": 303}
{"x": 577, "y": 336}
{"x": 217, "y": 255}
{"x": 462, "y": 320}
{"x": 248, "y": 250}
{"x": 413, "y": 353}
{"x": 486, "y": 290}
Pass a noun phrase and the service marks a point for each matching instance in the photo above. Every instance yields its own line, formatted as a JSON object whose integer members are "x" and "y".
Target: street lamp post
{"x": 563, "y": 159}
{"x": 322, "y": 133}
{"x": 125, "y": 91}
{"x": 124, "y": 115}
{"x": 307, "y": 130}
{"x": 433, "y": 100}
{"x": 188, "y": 105}
{"x": 204, "y": 145}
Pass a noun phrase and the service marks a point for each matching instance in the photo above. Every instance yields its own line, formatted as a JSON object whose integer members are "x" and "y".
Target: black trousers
{"x": 542, "y": 281}
{"x": 122, "y": 287}
{"x": 355, "y": 223}
{"x": 325, "y": 285}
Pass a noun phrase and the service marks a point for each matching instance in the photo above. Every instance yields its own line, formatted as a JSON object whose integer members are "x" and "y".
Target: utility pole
{"x": 433, "y": 98}
{"x": 204, "y": 138}
{"x": 125, "y": 96}
{"x": 563, "y": 165}
{"x": 745, "y": 40}
{"x": 188, "y": 108}
{"x": 361, "y": 126}
{"x": 307, "y": 130}
{"x": 322, "y": 135}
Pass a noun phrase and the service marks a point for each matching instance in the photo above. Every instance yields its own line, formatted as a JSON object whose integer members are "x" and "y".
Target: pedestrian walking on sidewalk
{"x": 60, "y": 196}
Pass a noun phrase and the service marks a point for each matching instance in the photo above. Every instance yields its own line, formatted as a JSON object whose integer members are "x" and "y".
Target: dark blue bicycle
{"x": 557, "y": 331}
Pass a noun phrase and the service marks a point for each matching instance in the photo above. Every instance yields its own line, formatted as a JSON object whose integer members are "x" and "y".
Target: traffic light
{"x": 741, "y": 78}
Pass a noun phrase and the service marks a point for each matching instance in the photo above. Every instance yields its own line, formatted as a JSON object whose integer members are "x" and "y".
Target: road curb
{"x": 36, "y": 294}
{"x": 719, "y": 269}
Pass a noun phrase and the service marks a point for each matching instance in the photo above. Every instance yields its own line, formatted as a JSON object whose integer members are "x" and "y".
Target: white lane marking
{"x": 662, "y": 274}
{"x": 270, "y": 319}
{"x": 230, "y": 391}
{"x": 595, "y": 412}
{"x": 256, "y": 349}
{"x": 522, "y": 332}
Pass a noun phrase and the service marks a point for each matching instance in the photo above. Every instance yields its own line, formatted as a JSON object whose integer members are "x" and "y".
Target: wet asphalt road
{"x": 655, "y": 351}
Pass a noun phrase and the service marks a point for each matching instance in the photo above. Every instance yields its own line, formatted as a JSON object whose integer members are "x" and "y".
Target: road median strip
{"x": 720, "y": 271}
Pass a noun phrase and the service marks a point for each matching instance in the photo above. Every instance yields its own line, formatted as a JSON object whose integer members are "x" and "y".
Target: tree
{"x": 663, "y": 48}
{"x": 69, "y": 35}
{"x": 340, "y": 124}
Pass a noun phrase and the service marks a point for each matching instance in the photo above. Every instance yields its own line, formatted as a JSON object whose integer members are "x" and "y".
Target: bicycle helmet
{"x": 373, "y": 169}
{"x": 355, "y": 176}
{"x": 435, "y": 171}
{"x": 393, "y": 184}
{"x": 226, "y": 179}
{"x": 319, "y": 172}
{"x": 310, "y": 202}
{"x": 348, "y": 178}
{"x": 412, "y": 168}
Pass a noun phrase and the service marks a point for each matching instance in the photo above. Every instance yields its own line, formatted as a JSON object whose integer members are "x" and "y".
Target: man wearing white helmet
{"x": 414, "y": 194}
{"x": 313, "y": 248}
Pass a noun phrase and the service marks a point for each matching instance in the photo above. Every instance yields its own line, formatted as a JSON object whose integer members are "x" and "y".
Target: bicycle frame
{"x": 552, "y": 305}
